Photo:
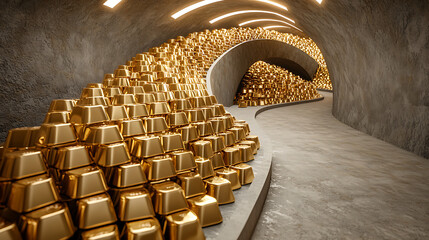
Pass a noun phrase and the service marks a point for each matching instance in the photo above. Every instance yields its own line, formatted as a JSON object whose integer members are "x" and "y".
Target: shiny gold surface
{"x": 228, "y": 138}
{"x": 231, "y": 156}
{"x": 95, "y": 211}
{"x": 32, "y": 193}
{"x": 156, "y": 124}
{"x": 21, "y": 138}
{"x": 146, "y": 146}
{"x": 21, "y": 164}
{"x": 158, "y": 168}
{"x": 134, "y": 205}
{"x": 202, "y": 148}
{"x": 217, "y": 142}
{"x": 204, "y": 128}
{"x": 105, "y": 134}
{"x": 159, "y": 108}
{"x": 204, "y": 167}
{"x": 51, "y": 222}
{"x": 252, "y": 145}
{"x": 183, "y": 225}
{"x": 183, "y": 160}
{"x": 147, "y": 229}
{"x": 217, "y": 160}
{"x": 238, "y": 133}
{"x": 245, "y": 173}
{"x": 112, "y": 155}
{"x": 168, "y": 198}
{"x": 221, "y": 189}
{"x": 192, "y": 184}
{"x": 207, "y": 210}
{"x": 88, "y": 115}
{"x": 177, "y": 119}
{"x": 172, "y": 142}
{"x": 137, "y": 110}
{"x": 117, "y": 113}
{"x": 230, "y": 175}
{"x": 57, "y": 117}
{"x": 127, "y": 175}
{"x": 55, "y": 134}
{"x": 83, "y": 182}
{"x": 109, "y": 232}
{"x": 71, "y": 157}
{"x": 254, "y": 139}
{"x": 9, "y": 231}
{"x": 60, "y": 105}
{"x": 245, "y": 153}
{"x": 130, "y": 128}
{"x": 189, "y": 133}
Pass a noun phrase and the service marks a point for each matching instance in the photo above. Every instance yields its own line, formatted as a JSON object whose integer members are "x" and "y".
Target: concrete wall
{"x": 377, "y": 54}
{"x": 224, "y": 76}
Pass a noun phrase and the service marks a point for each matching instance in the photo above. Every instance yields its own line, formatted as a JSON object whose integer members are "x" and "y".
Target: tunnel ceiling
{"x": 376, "y": 52}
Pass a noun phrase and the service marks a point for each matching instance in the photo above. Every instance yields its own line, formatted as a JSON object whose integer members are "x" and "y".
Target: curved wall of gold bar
{"x": 224, "y": 76}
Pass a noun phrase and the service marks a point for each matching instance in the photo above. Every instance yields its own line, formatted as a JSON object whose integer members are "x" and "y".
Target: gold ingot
{"x": 19, "y": 138}
{"x": 22, "y": 164}
{"x": 150, "y": 88}
{"x": 208, "y": 100}
{"x": 175, "y": 86}
{"x": 172, "y": 142}
{"x": 245, "y": 173}
{"x": 229, "y": 121}
{"x": 156, "y": 124}
{"x": 221, "y": 189}
{"x": 146, "y": 146}
{"x": 228, "y": 138}
{"x": 108, "y": 82}
{"x": 101, "y": 135}
{"x": 202, "y": 148}
{"x": 168, "y": 198}
{"x": 112, "y": 155}
{"x": 134, "y": 205}
{"x": 180, "y": 95}
{"x": 180, "y": 105}
{"x": 133, "y": 90}
{"x": 159, "y": 108}
{"x": 88, "y": 115}
{"x": 198, "y": 102}
{"x": 9, "y": 231}
{"x": 158, "y": 168}
{"x": 246, "y": 153}
{"x": 195, "y": 115}
{"x": 109, "y": 232}
{"x": 122, "y": 73}
{"x": 242, "y": 104}
{"x": 245, "y": 127}
{"x": 112, "y": 91}
{"x": 83, "y": 182}
{"x": 255, "y": 139}
{"x": 4, "y": 193}
{"x": 117, "y": 113}
{"x": 31, "y": 193}
{"x": 144, "y": 68}
{"x": 131, "y": 128}
{"x": 207, "y": 210}
{"x": 160, "y": 96}
{"x": 67, "y": 158}
{"x": 94, "y": 101}
{"x": 162, "y": 87}
{"x": 177, "y": 119}
{"x": 221, "y": 108}
{"x": 123, "y": 99}
{"x": 213, "y": 99}
{"x": 127, "y": 175}
{"x": 252, "y": 145}
{"x": 231, "y": 156}
{"x": 204, "y": 128}
{"x": 217, "y": 142}
{"x": 95, "y": 211}
{"x": 217, "y": 160}
{"x": 145, "y": 98}
{"x": 172, "y": 80}
{"x": 183, "y": 225}
{"x": 208, "y": 113}
{"x": 51, "y": 222}
{"x": 216, "y": 111}
{"x": 51, "y": 134}
{"x": 57, "y": 117}
{"x": 92, "y": 92}
{"x": 183, "y": 160}
{"x": 146, "y": 77}
{"x": 149, "y": 229}
{"x": 137, "y": 110}
{"x": 204, "y": 167}
{"x": 231, "y": 175}
{"x": 94, "y": 85}
{"x": 192, "y": 184}
{"x": 60, "y": 105}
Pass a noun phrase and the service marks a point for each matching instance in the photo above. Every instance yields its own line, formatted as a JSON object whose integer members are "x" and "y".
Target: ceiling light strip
{"x": 248, "y": 11}
{"x": 111, "y": 3}
{"x": 276, "y": 4}
{"x": 267, "y": 20}
{"x": 275, "y": 26}
{"x": 193, "y": 7}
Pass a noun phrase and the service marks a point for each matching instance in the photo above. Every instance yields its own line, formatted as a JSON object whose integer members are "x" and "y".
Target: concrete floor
{"x": 331, "y": 181}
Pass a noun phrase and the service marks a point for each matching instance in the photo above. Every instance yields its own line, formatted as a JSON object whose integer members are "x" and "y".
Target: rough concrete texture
{"x": 377, "y": 54}
{"x": 224, "y": 76}
{"x": 330, "y": 181}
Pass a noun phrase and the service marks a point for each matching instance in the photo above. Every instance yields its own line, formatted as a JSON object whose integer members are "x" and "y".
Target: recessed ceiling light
{"x": 319, "y": 1}
{"x": 111, "y": 3}
{"x": 275, "y": 4}
{"x": 248, "y": 11}
{"x": 267, "y": 20}
{"x": 193, "y": 7}
{"x": 276, "y": 26}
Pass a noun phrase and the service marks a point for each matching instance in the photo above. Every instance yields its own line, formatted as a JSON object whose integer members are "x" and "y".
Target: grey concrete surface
{"x": 225, "y": 74}
{"x": 330, "y": 181}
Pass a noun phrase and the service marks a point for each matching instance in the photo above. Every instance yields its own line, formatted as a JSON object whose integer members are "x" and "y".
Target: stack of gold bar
{"x": 266, "y": 84}
{"x": 146, "y": 154}
{"x": 321, "y": 79}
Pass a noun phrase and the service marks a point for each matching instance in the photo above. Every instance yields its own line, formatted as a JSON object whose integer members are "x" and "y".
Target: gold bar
{"x": 168, "y": 198}
{"x": 252, "y": 145}
{"x": 156, "y": 124}
{"x": 31, "y": 193}
{"x": 207, "y": 210}
{"x": 217, "y": 160}
{"x": 228, "y": 137}
{"x": 94, "y": 101}
{"x": 246, "y": 153}
{"x": 195, "y": 115}
{"x": 105, "y": 134}
{"x": 83, "y": 182}
{"x": 217, "y": 142}
{"x": 123, "y": 99}
{"x": 208, "y": 113}
{"x": 159, "y": 108}
{"x": 202, "y": 148}
{"x": 192, "y": 184}
{"x": 245, "y": 173}
{"x": 180, "y": 105}
{"x": 221, "y": 189}
{"x": 134, "y": 205}
{"x": 109, "y": 232}
{"x": 172, "y": 142}
{"x": 22, "y": 164}
{"x": 131, "y": 128}
{"x": 67, "y": 158}
{"x": 183, "y": 161}
{"x": 183, "y": 225}
{"x": 9, "y": 231}
{"x": 133, "y": 90}
{"x": 57, "y": 117}
{"x": 145, "y": 98}
{"x": 158, "y": 168}
{"x": 55, "y": 134}
{"x": 95, "y": 211}
{"x": 231, "y": 156}
{"x": 204, "y": 128}
{"x": 51, "y": 222}
{"x": 21, "y": 138}
{"x": 110, "y": 92}
{"x": 204, "y": 167}
{"x": 146, "y": 146}
{"x": 231, "y": 175}
{"x": 238, "y": 133}
{"x": 88, "y": 115}
{"x": 198, "y": 102}
{"x": 147, "y": 229}
{"x": 112, "y": 155}
{"x": 137, "y": 110}
{"x": 189, "y": 133}
{"x": 177, "y": 119}
{"x": 91, "y": 92}
{"x": 255, "y": 139}
{"x": 117, "y": 113}
{"x": 218, "y": 125}
{"x": 127, "y": 175}
{"x": 59, "y": 105}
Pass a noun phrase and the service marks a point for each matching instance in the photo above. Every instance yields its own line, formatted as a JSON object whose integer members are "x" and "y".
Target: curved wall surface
{"x": 377, "y": 53}
{"x": 224, "y": 76}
